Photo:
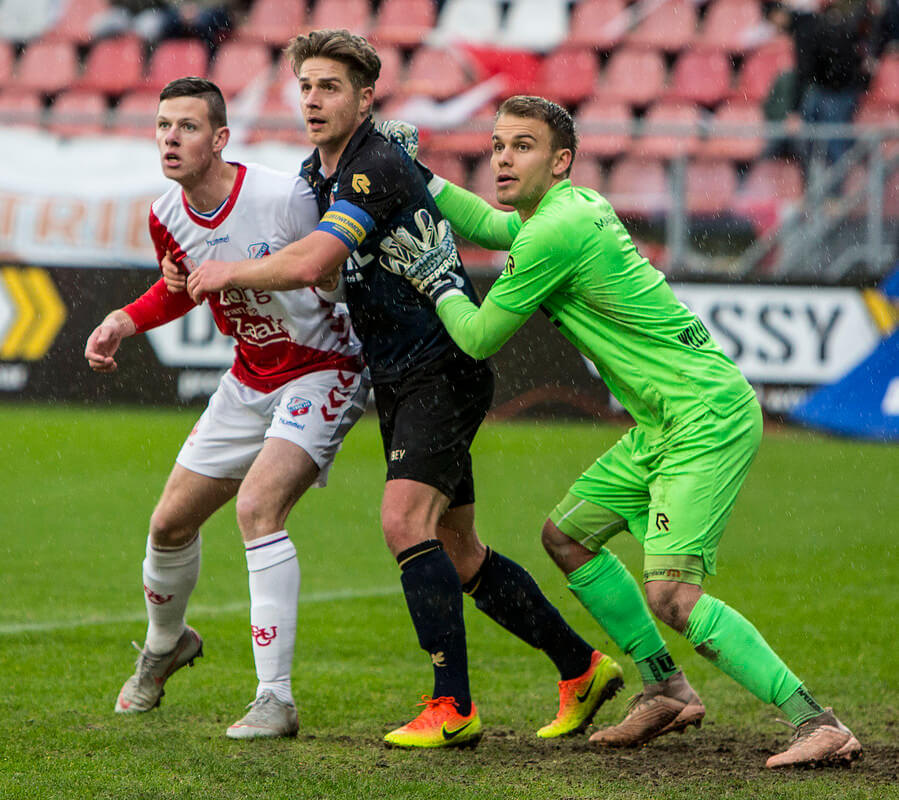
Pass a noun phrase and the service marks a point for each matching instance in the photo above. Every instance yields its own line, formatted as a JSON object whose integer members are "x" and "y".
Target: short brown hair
{"x": 560, "y": 122}
{"x": 359, "y": 56}
{"x": 199, "y": 87}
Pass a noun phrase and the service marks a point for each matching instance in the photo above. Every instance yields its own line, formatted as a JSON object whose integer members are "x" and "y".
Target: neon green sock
{"x": 732, "y": 643}
{"x": 610, "y": 593}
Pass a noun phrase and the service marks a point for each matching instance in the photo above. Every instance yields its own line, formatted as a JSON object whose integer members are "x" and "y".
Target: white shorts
{"x": 315, "y": 411}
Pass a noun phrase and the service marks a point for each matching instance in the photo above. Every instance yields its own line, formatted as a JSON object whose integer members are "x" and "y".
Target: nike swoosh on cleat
{"x": 581, "y": 697}
{"x": 453, "y": 734}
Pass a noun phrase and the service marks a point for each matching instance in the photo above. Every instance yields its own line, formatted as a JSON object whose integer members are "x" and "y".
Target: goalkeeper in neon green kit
{"x": 672, "y": 479}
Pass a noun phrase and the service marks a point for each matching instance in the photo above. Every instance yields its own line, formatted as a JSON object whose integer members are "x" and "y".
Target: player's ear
{"x": 366, "y": 100}
{"x": 220, "y": 139}
{"x": 562, "y": 159}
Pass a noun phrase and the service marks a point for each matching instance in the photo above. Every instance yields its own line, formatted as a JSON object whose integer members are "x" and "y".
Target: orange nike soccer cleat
{"x": 439, "y": 725}
{"x": 581, "y": 697}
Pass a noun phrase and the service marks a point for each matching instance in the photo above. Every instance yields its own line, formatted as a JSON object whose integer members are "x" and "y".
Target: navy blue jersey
{"x": 375, "y": 190}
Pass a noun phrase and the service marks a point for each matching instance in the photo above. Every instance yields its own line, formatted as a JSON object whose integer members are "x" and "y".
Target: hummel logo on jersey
{"x": 221, "y": 240}
{"x": 438, "y": 658}
{"x": 262, "y": 636}
{"x": 361, "y": 183}
{"x": 156, "y": 599}
{"x": 259, "y": 249}
{"x": 453, "y": 734}
{"x": 582, "y": 697}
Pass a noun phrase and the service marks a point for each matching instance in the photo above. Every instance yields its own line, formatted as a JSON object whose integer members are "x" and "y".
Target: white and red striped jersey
{"x": 279, "y": 335}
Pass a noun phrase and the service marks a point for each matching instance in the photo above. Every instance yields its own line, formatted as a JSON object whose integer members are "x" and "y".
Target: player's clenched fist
{"x": 103, "y": 343}
{"x": 208, "y": 278}
{"x": 173, "y": 274}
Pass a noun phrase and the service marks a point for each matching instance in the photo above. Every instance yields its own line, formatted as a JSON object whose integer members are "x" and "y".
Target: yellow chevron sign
{"x": 33, "y": 311}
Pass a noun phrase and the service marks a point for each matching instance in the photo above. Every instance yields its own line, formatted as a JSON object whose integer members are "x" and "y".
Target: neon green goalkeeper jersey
{"x": 575, "y": 260}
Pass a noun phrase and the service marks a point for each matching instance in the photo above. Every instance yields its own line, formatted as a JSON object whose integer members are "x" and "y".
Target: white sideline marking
{"x": 11, "y": 628}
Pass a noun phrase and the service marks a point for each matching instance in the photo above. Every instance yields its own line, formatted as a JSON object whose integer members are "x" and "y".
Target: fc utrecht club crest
{"x": 259, "y": 250}
{"x": 264, "y": 636}
{"x": 297, "y": 406}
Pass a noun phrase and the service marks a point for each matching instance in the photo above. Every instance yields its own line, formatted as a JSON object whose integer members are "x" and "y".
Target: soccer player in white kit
{"x": 273, "y": 426}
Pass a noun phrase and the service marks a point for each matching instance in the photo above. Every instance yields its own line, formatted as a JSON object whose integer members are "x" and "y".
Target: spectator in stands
{"x": 154, "y": 20}
{"x": 832, "y": 51}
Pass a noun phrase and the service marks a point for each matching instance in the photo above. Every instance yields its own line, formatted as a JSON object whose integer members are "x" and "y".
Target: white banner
{"x": 84, "y": 202}
{"x": 785, "y": 334}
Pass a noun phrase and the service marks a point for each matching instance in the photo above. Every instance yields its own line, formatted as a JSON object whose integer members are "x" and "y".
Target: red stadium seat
{"x": 638, "y": 187}
{"x": 238, "y": 63}
{"x": 75, "y": 23}
{"x": 274, "y": 22}
{"x": 279, "y": 122}
{"x": 670, "y": 26}
{"x": 176, "y": 58}
{"x": 20, "y": 108}
{"x": 740, "y": 117}
{"x": 46, "y": 67}
{"x": 884, "y": 88}
{"x": 761, "y": 67}
{"x": 403, "y": 23}
{"x": 354, "y": 15}
{"x": 390, "y": 79}
{"x": 886, "y": 117}
{"x": 568, "y": 76}
{"x": 600, "y": 24}
{"x": 710, "y": 187}
{"x": 78, "y": 113}
{"x": 604, "y": 144}
{"x": 114, "y": 66}
{"x": 702, "y": 77}
{"x": 587, "y": 171}
{"x": 728, "y": 25}
{"x": 7, "y": 60}
{"x": 471, "y": 139}
{"x": 632, "y": 76}
{"x": 768, "y": 187}
{"x": 135, "y": 115}
{"x": 444, "y": 164}
{"x": 434, "y": 73}
{"x": 681, "y": 138}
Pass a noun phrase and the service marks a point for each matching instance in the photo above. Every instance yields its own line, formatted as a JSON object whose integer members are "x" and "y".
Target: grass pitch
{"x": 810, "y": 557}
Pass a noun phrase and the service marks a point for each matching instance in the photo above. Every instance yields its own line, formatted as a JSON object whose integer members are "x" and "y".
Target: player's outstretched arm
{"x": 310, "y": 261}
{"x": 478, "y": 331}
{"x": 105, "y": 339}
{"x": 474, "y": 218}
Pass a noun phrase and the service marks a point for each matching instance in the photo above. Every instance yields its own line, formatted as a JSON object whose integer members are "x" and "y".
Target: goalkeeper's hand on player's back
{"x": 428, "y": 258}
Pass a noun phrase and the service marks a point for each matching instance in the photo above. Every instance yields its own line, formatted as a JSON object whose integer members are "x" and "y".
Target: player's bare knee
{"x": 257, "y": 515}
{"x": 672, "y": 602}
{"x": 168, "y": 530}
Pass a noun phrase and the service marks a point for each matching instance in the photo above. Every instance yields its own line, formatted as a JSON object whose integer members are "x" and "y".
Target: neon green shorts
{"x": 674, "y": 494}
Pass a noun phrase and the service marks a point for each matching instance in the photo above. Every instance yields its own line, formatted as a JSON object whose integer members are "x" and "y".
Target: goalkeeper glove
{"x": 405, "y": 134}
{"x": 426, "y": 260}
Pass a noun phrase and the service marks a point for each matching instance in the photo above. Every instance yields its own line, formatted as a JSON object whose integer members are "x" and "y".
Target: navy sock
{"x": 434, "y": 596}
{"x": 507, "y": 593}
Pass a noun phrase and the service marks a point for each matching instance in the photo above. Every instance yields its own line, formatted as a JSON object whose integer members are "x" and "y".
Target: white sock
{"x": 274, "y": 592}
{"x": 170, "y": 575}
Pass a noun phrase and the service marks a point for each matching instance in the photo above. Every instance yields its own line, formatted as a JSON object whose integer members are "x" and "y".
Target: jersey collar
{"x": 219, "y": 218}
